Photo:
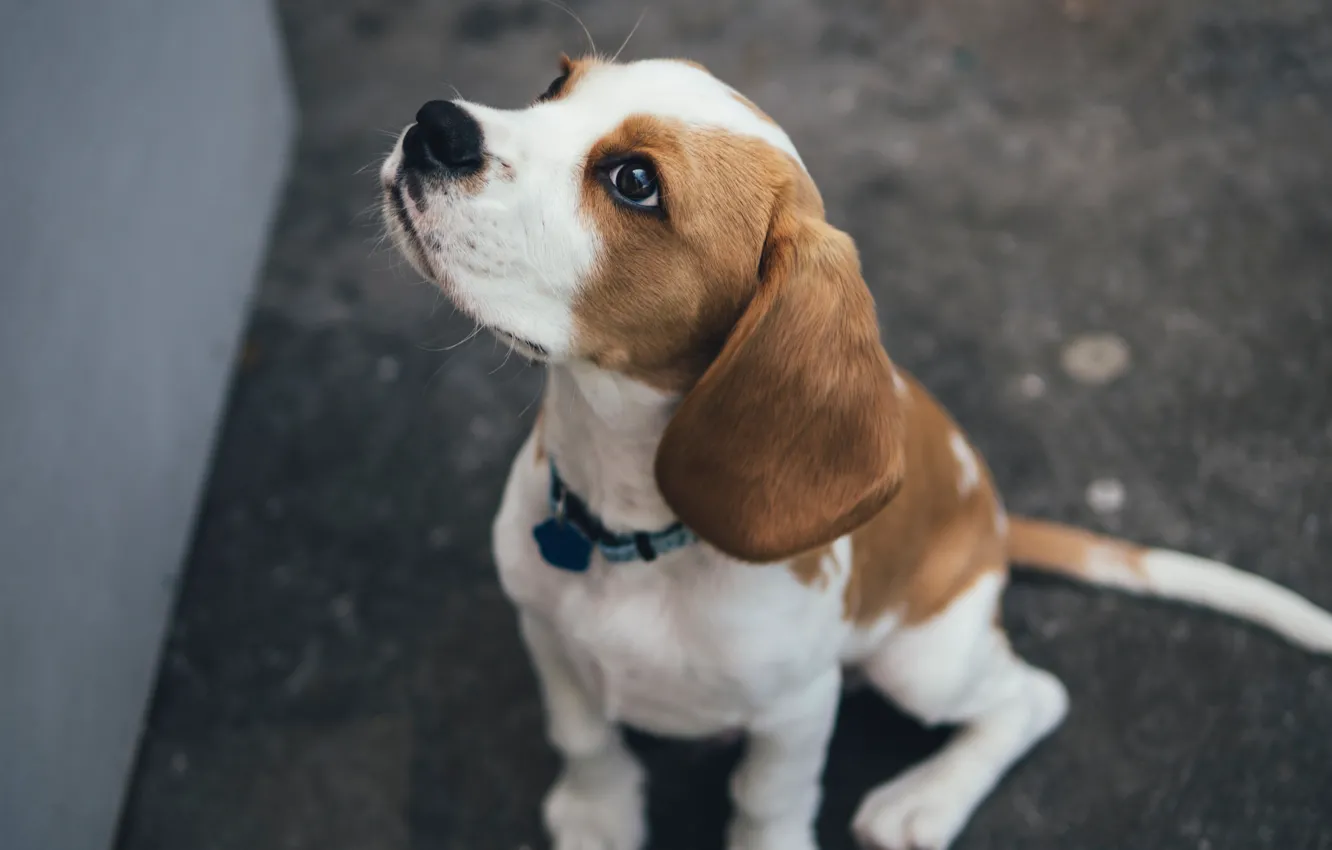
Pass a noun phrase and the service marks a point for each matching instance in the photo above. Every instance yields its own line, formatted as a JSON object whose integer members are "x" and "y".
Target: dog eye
{"x": 554, "y": 88}
{"x": 635, "y": 182}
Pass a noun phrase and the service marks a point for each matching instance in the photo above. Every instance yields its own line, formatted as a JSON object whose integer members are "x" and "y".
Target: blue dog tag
{"x": 563, "y": 546}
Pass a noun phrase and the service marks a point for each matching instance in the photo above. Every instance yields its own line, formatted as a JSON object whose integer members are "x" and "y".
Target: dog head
{"x": 647, "y": 218}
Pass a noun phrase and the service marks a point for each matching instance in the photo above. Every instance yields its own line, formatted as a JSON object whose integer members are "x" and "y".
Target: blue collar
{"x": 567, "y": 537}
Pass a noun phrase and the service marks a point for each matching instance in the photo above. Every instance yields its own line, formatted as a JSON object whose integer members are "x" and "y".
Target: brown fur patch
{"x": 742, "y": 294}
{"x": 793, "y": 436}
{"x": 668, "y": 289}
{"x": 931, "y": 542}
{"x": 808, "y": 567}
{"x": 473, "y": 184}
{"x": 1060, "y": 548}
{"x": 573, "y": 71}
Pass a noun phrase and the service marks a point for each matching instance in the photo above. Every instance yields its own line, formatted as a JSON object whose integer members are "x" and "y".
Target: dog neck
{"x": 601, "y": 430}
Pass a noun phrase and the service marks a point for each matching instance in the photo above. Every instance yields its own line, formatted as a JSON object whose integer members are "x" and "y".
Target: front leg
{"x": 777, "y": 787}
{"x": 597, "y": 802}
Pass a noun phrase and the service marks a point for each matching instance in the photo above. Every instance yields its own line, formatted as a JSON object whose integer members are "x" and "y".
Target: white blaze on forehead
{"x": 676, "y": 90}
{"x": 605, "y": 95}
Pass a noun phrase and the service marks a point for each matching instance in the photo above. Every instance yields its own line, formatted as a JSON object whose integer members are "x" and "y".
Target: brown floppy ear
{"x": 793, "y": 436}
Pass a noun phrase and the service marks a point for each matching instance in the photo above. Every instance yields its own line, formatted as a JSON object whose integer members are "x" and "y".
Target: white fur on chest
{"x": 691, "y": 644}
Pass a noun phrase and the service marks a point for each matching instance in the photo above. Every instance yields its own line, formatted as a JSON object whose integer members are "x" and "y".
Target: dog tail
{"x": 1086, "y": 557}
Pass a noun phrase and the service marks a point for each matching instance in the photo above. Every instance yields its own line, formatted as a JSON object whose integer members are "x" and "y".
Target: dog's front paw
{"x": 920, "y": 810}
{"x": 745, "y": 834}
{"x": 599, "y": 809}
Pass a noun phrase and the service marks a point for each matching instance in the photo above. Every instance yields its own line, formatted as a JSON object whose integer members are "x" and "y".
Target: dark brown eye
{"x": 635, "y": 182}
{"x": 555, "y": 87}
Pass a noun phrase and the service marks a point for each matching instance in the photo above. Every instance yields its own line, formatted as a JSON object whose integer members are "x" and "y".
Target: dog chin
{"x": 534, "y": 352}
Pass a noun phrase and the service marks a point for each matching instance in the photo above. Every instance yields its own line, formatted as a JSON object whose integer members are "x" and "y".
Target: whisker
{"x": 570, "y": 12}
{"x": 534, "y": 400}
{"x": 471, "y": 336}
{"x": 625, "y": 43}
{"x": 504, "y": 362}
{"x": 435, "y": 374}
{"x": 375, "y": 208}
{"x": 439, "y": 299}
{"x": 369, "y": 165}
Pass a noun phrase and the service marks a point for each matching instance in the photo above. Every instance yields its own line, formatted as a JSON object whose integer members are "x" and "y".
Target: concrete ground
{"x": 1021, "y": 175}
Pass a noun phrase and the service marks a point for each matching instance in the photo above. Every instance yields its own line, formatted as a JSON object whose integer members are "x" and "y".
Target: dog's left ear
{"x": 794, "y": 434}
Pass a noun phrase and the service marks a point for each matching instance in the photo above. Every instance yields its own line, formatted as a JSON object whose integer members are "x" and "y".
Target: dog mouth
{"x": 411, "y": 242}
{"x": 414, "y": 245}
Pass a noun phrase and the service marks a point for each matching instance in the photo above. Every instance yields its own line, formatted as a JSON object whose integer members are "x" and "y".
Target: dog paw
{"x": 920, "y": 810}
{"x": 602, "y": 815}
{"x": 746, "y": 835}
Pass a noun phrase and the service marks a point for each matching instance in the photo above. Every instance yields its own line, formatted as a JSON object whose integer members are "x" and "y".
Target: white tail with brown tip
{"x": 1087, "y": 557}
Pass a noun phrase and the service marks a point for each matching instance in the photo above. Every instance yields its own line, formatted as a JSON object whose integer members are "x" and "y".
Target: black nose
{"x": 446, "y": 138}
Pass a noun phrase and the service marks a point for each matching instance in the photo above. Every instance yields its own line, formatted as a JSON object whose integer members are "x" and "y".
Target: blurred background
{"x": 248, "y": 469}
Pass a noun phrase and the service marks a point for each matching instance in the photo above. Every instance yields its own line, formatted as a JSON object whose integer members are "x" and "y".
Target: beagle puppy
{"x": 731, "y": 495}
